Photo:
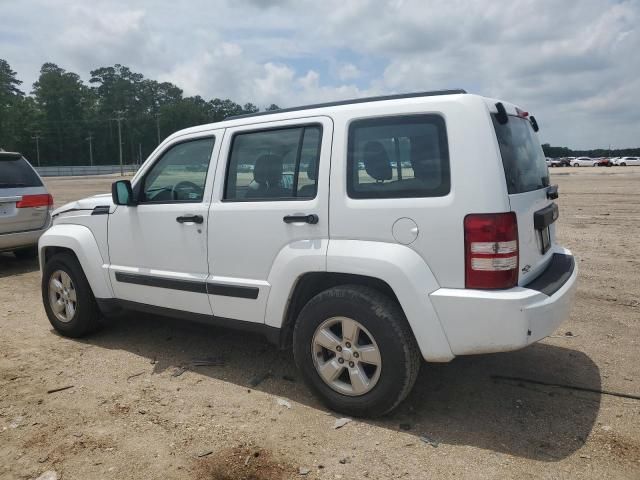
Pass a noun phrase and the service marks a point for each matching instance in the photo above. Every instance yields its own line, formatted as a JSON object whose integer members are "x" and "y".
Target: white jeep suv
{"x": 369, "y": 235}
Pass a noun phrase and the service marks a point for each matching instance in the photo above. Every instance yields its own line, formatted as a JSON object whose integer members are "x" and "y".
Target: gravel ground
{"x": 140, "y": 407}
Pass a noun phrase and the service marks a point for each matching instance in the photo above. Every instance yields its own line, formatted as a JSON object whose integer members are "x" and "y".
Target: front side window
{"x": 398, "y": 157}
{"x": 275, "y": 164}
{"x": 180, "y": 174}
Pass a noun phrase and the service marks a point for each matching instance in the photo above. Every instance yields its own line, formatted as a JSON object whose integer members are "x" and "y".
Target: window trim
{"x": 138, "y": 189}
{"x": 443, "y": 190}
{"x": 303, "y": 126}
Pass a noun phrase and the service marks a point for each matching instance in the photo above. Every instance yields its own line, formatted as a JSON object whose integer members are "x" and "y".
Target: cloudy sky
{"x": 575, "y": 65}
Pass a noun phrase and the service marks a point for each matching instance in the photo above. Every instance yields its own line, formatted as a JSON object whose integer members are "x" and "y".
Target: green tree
{"x": 64, "y": 103}
{"x": 10, "y": 97}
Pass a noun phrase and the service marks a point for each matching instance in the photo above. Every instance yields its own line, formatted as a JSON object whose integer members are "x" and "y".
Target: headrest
{"x": 268, "y": 169}
{"x": 376, "y": 161}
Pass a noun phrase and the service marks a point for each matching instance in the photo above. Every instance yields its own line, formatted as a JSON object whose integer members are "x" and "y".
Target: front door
{"x": 158, "y": 248}
{"x": 269, "y": 212}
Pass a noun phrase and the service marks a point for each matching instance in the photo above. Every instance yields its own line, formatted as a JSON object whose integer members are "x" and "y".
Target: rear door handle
{"x": 190, "y": 219}
{"x": 311, "y": 219}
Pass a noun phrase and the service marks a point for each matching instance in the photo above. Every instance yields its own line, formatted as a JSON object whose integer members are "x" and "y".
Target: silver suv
{"x": 25, "y": 206}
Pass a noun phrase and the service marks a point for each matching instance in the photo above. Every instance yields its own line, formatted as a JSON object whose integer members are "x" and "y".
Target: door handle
{"x": 190, "y": 218}
{"x": 311, "y": 219}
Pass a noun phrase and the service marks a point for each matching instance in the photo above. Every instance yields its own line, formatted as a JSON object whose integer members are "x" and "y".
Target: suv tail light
{"x": 30, "y": 201}
{"x": 491, "y": 250}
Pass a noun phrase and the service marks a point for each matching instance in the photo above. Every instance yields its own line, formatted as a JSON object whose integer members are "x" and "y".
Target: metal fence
{"x": 76, "y": 170}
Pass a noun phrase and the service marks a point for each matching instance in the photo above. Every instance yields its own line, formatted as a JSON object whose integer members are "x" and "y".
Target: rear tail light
{"x": 491, "y": 250}
{"x": 30, "y": 201}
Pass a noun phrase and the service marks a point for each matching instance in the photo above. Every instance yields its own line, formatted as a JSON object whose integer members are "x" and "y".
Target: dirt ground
{"x": 139, "y": 407}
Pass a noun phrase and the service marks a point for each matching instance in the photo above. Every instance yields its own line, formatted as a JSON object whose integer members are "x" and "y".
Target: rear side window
{"x": 275, "y": 164}
{"x": 523, "y": 159}
{"x": 398, "y": 157}
{"x": 16, "y": 173}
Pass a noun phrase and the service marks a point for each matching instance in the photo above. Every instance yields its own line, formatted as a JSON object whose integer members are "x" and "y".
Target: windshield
{"x": 16, "y": 173}
{"x": 524, "y": 162}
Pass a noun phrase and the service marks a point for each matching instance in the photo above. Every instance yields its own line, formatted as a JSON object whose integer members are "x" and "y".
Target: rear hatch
{"x": 24, "y": 202}
{"x": 530, "y": 194}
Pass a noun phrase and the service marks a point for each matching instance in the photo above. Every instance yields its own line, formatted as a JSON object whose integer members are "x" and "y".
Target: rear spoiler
{"x": 10, "y": 156}
{"x": 502, "y": 117}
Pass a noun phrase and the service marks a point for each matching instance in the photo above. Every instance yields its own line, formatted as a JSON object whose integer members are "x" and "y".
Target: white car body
{"x": 246, "y": 246}
{"x": 584, "y": 162}
{"x": 627, "y": 161}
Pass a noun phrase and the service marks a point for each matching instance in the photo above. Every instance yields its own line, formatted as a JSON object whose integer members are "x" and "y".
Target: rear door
{"x": 24, "y": 203}
{"x": 527, "y": 178}
{"x": 270, "y": 202}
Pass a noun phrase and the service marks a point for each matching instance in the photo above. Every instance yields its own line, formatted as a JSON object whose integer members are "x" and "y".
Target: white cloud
{"x": 348, "y": 71}
{"x": 575, "y": 64}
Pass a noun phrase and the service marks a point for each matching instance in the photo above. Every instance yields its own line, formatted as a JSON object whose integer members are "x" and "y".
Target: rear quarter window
{"x": 398, "y": 157}
{"x": 17, "y": 173}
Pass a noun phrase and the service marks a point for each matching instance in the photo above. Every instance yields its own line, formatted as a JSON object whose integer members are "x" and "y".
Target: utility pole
{"x": 157, "y": 115}
{"x": 139, "y": 153}
{"x": 37, "y": 138}
{"x": 119, "y": 119}
{"x": 89, "y": 138}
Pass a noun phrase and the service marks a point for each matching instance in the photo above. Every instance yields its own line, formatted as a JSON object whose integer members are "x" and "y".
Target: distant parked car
{"x": 554, "y": 162}
{"x": 604, "y": 162}
{"x": 584, "y": 162}
{"x": 624, "y": 161}
{"x": 25, "y": 206}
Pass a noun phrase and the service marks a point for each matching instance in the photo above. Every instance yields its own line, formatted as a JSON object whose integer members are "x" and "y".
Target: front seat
{"x": 376, "y": 162}
{"x": 267, "y": 178}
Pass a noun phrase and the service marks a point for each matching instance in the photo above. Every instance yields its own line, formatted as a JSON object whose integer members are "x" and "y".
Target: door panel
{"x": 247, "y": 227}
{"x": 157, "y": 256}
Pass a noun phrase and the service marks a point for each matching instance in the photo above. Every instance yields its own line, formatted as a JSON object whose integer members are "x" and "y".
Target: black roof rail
{"x": 434, "y": 93}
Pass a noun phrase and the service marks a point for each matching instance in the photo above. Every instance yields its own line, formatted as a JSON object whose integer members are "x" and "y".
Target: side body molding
{"x": 408, "y": 276}
{"x": 80, "y": 239}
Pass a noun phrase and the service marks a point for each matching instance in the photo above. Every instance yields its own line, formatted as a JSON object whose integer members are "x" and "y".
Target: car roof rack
{"x": 353, "y": 101}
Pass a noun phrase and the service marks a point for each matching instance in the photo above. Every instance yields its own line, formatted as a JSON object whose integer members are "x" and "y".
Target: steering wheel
{"x": 186, "y": 185}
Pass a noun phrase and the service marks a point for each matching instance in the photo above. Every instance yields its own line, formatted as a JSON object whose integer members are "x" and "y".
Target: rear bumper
{"x": 486, "y": 321}
{"x": 13, "y": 241}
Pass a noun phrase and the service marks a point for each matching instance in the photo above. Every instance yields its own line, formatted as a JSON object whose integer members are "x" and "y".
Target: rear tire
{"x": 67, "y": 297}
{"x": 380, "y": 324}
{"x": 26, "y": 253}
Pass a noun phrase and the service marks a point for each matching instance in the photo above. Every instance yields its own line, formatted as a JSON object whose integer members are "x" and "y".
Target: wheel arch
{"x": 395, "y": 270}
{"x": 79, "y": 241}
{"x": 311, "y": 284}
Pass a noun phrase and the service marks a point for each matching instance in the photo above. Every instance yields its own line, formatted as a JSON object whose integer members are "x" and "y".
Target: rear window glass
{"x": 525, "y": 167}
{"x": 16, "y": 173}
{"x": 398, "y": 157}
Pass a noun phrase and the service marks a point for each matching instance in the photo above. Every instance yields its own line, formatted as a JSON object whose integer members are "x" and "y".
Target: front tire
{"x": 356, "y": 351}
{"x": 576, "y": 164}
{"x": 67, "y": 297}
{"x": 623, "y": 164}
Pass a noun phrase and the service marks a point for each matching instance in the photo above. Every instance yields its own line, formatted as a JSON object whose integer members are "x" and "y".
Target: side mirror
{"x": 122, "y": 193}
